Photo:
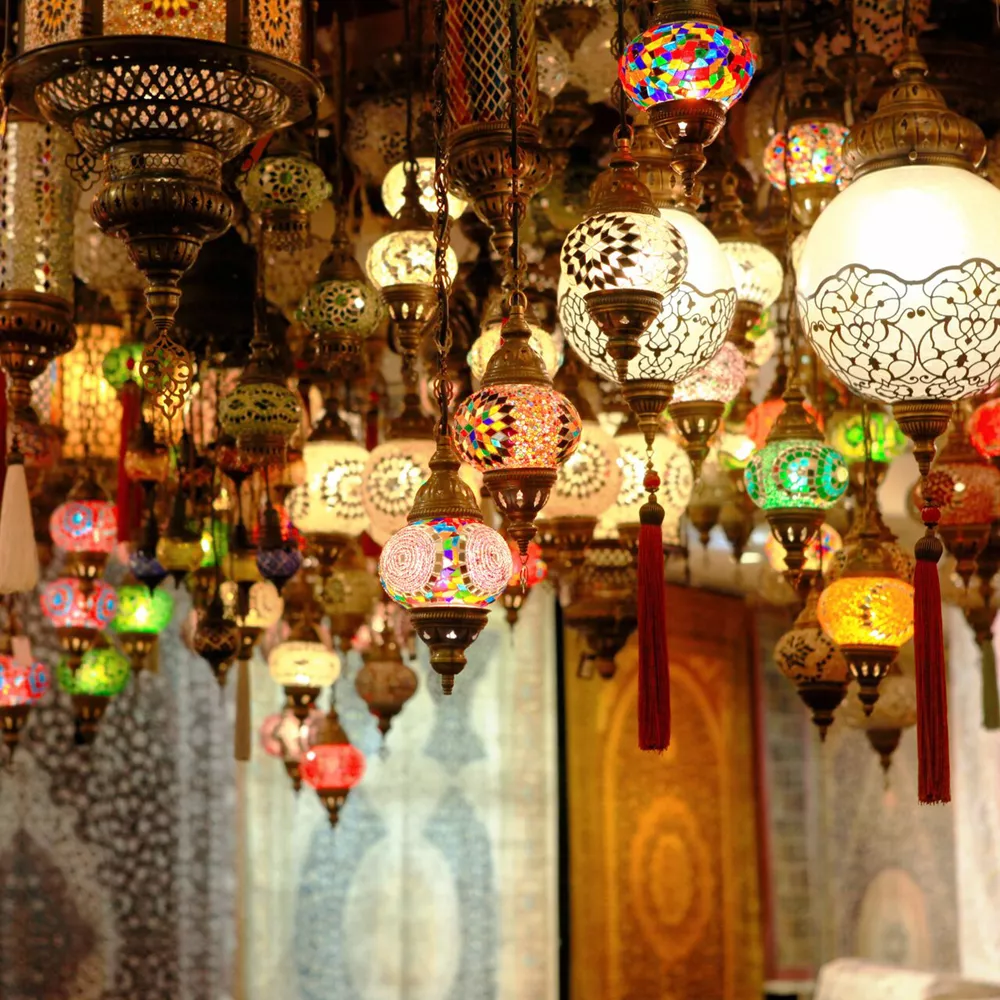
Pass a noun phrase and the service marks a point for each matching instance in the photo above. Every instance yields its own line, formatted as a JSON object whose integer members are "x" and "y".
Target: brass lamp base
{"x": 411, "y": 308}
{"x": 137, "y": 646}
{"x": 333, "y": 799}
{"x": 746, "y": 317}
{"x": 88, "y": 710}
{"x": 794, "y": 529}
{"x": 570, "y": 23}
{"x": 519, "y": 495}
{"x": 822, "y": 698}
{"x": 327, "y": 548}
{"x": 697, "y": 421}
{"x": 448, "y": 632}
{"x": 12, "y": 721}
{"x": 647, "y": 398}
{"x": 869, "y": 664}
{"x": 294, "y": 771}
{"x": 623, "y": 316}
{"x": 923, "y": 421}
{"x": 300, "y": 700}
{"x": 605, "y": 627}
{"x": 884, "y": 742}
{"x": 74, "y": 642}
{"x": 686, "y": 127}
{"x": 86, "y": 567}
{"x": 809, "y": 200}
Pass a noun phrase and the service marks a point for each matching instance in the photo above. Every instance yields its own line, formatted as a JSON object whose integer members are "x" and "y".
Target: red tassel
{"x": 934, "y": 764}
{"x": 654, "y": 666}
{"x": 128, "y": 501}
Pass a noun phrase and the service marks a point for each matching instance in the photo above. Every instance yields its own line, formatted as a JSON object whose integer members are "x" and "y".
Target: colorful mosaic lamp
{"x": 794, "y": 479}
{"x": 332, "y": 765}
{"x": 102, "y": 674}
{"x": 142, "y": 615}
{"x": 517, "y": 429}
{"x": 85, "y": 527}
{"x": 79, "y": 614}
{"x": 846, "y": 433}
{"x": 385, "y": 683}
{"x": 446, "y": 566}
{"x": 21, "y": 685}
{"x": 110, "y": 72}
{"x": 687, "y": 70}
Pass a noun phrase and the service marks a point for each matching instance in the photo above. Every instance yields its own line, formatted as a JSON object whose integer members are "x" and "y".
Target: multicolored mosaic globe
{"x": 84, "y": 526}
{"x": 815, "y": 154}
{"x": 800, "y": 473}
{"x": 67, "y": 605}
{"x": 284, "y": 182}
{"x": 685, "y": 60}
{"x": 445, "y": 561}
{"x": 867, "y": 611}
{"x": 20, "y": 683}
{"x": 121, "y": 365}
{"x": 518, "y": 426}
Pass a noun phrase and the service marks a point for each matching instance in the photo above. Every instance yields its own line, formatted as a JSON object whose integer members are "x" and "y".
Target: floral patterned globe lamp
{"x": 332, "y": 765}
{"x": 385, "y": 683}
{"x": 21, "y": 685}
{"x": 85, "y": 527}
{"x": 102, "y": 674}
{"x": 517, "y": 429}
{"x": 79, "y": 614}
{"x": 795, "y": 478}
{"x": 142, "y": 615}
{"x": 446, "y": 567}
{"x": 687, "y": 70}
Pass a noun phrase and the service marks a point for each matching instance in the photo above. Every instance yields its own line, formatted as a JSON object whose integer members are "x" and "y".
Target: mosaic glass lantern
{"x": 142, "y": 615}
{"x": 517, "y": 430}
{"x": 687, "y": 70}
{"x": 813, "y": 153}
{"x": 260, "y": 609}
{"x": 102, "y": 674}
{"x": 813, "y": 662}
{"x": 846, "y": 433}
{"x": 395, "y": 181}
{"x": 393, "y": 473}
{"x": 984, "y": 429}
{"x": 78, "y": 613}
{"x": 491, "y": 337}
{"x": 532, "y": 571}
{"x": 332, "y": 766}
{"x": 121, "y": 364}
{"x": 261, "y": 414}
{"x": 446, "y": 567}
{"x": 278, "y": 554}
{"x": 235, "y": 64}
{"x": 794, "y": 478}
{"x": 303, "y": 665}
{"x": 385, "y": 683}
{"x": 287, "y": 737}
{"x": 349, "y": 595}
{"x": 21, "y": 684}
{"x": 87, "y": 530}
{"x": 216, "y": 639}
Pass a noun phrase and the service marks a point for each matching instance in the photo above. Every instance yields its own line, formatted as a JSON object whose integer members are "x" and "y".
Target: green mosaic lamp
{"x": 102, "y": 674}
{"x": 795, "y": 478}
{"x": 846, "y": 433}
{"x": 142, "y": 615}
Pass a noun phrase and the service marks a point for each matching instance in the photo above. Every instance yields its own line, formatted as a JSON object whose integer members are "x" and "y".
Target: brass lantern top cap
{"x": 794, "y": 422}
{"x": 515, "y": 361}
{"x": 667, "y": 11}
{"x": 913, "y": 125}
{"x": 329, "y": 732}
{"x": 340, "y": 264}
{"x": 331, "y": 426}
{"x": 412, "y": 215}
{"x": 619, "y": 189}
{"x": 867, "y": 555}
{"x": 730, "y": 223}
{"x": 444, "y": 494}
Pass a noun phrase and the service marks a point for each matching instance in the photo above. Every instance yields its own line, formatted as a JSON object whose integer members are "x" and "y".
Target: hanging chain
{"x": 442, "y": 385}
{"x": 866, "y": 431}
{"x": 411, "y": 76}
{"x": 514, "y": 29}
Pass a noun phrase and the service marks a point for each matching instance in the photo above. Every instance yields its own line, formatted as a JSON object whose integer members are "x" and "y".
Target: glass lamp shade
{"x": 260, "y": 410}
{"x": 758, "y": 273}
{"x": 84, "y": 526}
{"x": 329, "y": 501}
{"x": 395, "y": 180}
{"x": 516, "y": 426}
{"x": 807, "y": 654}
{"x": 406, "y": 257}
{"x": 140, "y": 610}
{"x": 121, "y": 364}
{"x": 341, "y": 305}
{"x": 821, "y": 552}
{"x": 589, "y": 481}
{"x": 393, "y": 473}
{"x": 303, "y": 663}
{"x": 693, "y": 321}
{"x": 624, "y": 251}
{"x": 102, "y": 672}
{"x": 815, "y": 154}
{"x": 896, "y": 707}
{"x": 536, "y": 569}
{"x": 285, "y": 736}
{"x": 735, "y": 449}
{"x": 265, "y": 605}
{"x": 719, "y": 380}
{"x": 553, "y": 68}
{"x": 676, "y": 480}
{"x": 491, "y": 336}
{"x": 797, "y": 474}
{"x": 867, "y": 611}
{"x": 376, "y": 136}
{"x": 762, "y": 418}
{"x": 846, "y": 433}
{"x": 147, "y": 567}
{"x": 686, "y": 60}
{"x": 284, "y": 182}
{"x": 972, "y": 491}
{"x": 21, "y": 684}
{"x": 329, "y": 766}
{"x": 67, "y": 605}
{"x": 445, "y": 561}
{"x": 984, "y": 428}
{"x": 897, "y": 278}
{"x": 179, "y": 554}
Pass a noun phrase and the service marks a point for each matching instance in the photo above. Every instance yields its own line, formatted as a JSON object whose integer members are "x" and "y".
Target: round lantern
{"x": 984, "y": 429}
{"x": 101, "y": 675}
{"x": 261, "y": 414}
{"x": 491, "y": 336}
{"x": 846, "y": 433}
{"x": 288, "y": 737}
{"x": 385, "y": 683}
{"x": 142, "y": 615}
{"x": 331, "y": 765}
{"x": 812, "y": 154}
{"x": 349, "y": 595}
{"x": 78, "y": 613}
{"x": 392, "y": 474}
{"x": 395, "y": 181}
{"x": 895, "y": 711}
{"x": 21, "y": 684}
{"x": 216, "y": 639}
{"x": 86, "y": 529}
{"x": 121, "y": 365}
{"x": 813, "y": 662}
{"x": 303, "y": 665}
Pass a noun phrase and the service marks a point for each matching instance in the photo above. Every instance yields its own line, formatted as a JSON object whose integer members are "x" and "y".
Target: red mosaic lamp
{"x": 332, "y": 765}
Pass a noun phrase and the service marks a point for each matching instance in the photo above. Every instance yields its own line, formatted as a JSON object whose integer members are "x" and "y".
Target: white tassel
{"x": 18, "y": 552}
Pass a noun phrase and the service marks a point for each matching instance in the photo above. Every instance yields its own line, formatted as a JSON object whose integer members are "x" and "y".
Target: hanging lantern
{"x": 794, "y": 478}
{"x": 385, "y": 683}
{"x": 868, "y": 610}
{"x": 78, "y": 614}
{"x": 569, "y": 21}
{"x": 86, "y": 528}
{"x": 278, "y": 557}
{"x": 254, "y": 608}
{"x": 394, "y": 185}
{"x": 820, "y": 553}
{"x": 517, "y": 430}
{"x": 491, "y": 336}
{"x": 21, "y": 685}
{"x": 603, "y": 609}
{"x": 327, "y": 507}
{"x": 736, "y": 517}
{"x": 179, "y": 551}
{"x": 162, "y": 161}
{"x": 285, "y": 736}
{"x": 332, "y": 765}
{"x": 349, "y": 594}
{"x": 895, "y": 711}
{"x": 102, "y": 674}
{"x": 533, "y": 570}
{"x": 687, "y": 70}
{"x": 446, "y": 567}
{"x": 813, "y": 662}
{"x": 284, "y": 187}
{"x": 142, "y": 615}
{"x": 216, "y": 639}
{"x": 846, "y": 433}
{"x": 711, "y": 489}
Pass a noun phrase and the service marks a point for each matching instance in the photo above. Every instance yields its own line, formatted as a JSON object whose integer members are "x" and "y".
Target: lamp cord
{"x": 411, "y": 74}
{"x": 620, "y": 47}
{"x": 514, "y": 29}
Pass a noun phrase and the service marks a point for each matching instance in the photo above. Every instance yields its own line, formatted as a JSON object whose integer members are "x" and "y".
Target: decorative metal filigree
{"x": 167, "y": 371}
{"x": 892, "y": 339}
